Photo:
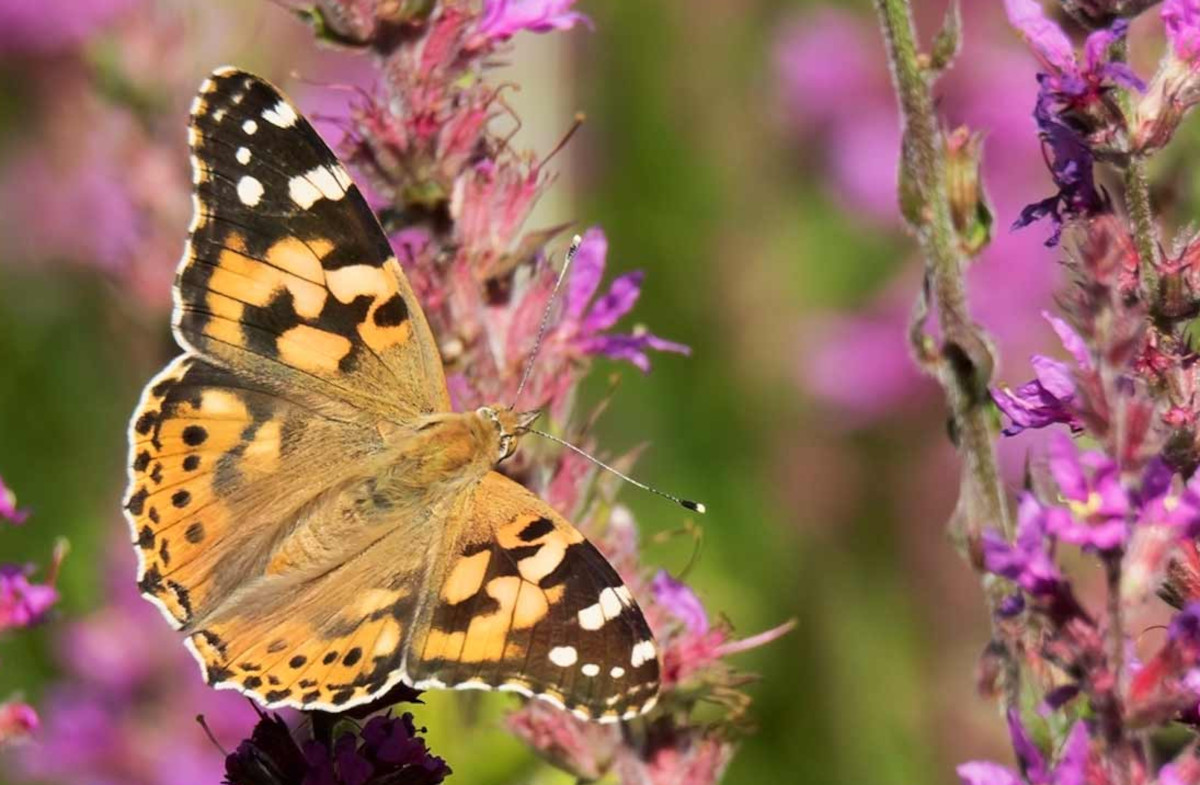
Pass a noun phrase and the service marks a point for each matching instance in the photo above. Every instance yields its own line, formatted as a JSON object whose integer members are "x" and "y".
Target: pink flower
{"x": 18, "y": 721}
{"x": 8, "y": 506}
{"x": 1181, "y": 18}
{"x": 42, "y": 27}
{"x": 22, "y": 603}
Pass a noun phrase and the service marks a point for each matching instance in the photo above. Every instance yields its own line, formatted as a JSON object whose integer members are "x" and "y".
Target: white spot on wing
{"x": 591, "y": 669}
{"x": 249, "y": 191}
{"x": 243, "y": 155}
{"x": 250, "y": 126}
{"x": 282, "y": 115}
{"x": 322, "y": 182}
{"x": 617, "y": 672}
{"x": 643, "y": 652}
{"x": 563, "y": 656}
{"x": 610, "y": 603}
{"x": 591, "y": 617}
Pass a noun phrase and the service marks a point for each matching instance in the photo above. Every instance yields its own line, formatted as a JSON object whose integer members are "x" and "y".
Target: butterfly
{"x": 306, "y": 507}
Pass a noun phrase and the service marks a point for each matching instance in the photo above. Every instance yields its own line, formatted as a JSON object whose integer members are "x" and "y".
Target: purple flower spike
{"x": 585, "y": 321}
{"x": 502, "y": 19}
{"x": 680, "y": 601}
{"x": 1181, "y": 18}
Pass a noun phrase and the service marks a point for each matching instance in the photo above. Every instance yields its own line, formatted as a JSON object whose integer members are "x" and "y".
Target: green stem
{"x": 1145, "y": 237}
{"x": 968, "y": 363}
{"x": 965, "y": 365}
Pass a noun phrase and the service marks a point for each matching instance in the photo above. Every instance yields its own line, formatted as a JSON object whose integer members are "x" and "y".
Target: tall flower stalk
{"x": 1117, "y": 476}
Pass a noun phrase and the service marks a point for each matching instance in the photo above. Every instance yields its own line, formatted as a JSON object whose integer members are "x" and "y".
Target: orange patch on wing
{"x": 311, "y": 349}
{"x": 466, "y": 577}
{"x": 531, "y": 607}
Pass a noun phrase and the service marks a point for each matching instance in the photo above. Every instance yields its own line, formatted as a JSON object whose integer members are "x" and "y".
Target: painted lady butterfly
{"x": 305, "y": 505}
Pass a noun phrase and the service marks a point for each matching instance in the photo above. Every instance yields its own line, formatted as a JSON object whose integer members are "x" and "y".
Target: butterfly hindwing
{"x": 287, "y": 271}
{"x": 327, "y": 638}
{"x": 208, "y": 489}
{"x": 529, "y": 605}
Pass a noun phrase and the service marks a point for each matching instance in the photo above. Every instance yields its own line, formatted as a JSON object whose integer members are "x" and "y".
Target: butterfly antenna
{"x": 576, "y": 241}
{"x": 685, "y": 503}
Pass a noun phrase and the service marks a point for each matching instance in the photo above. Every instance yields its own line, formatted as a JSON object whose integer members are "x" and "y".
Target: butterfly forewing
{"x": 271, "y": 494}
{"x": 287, "y": 271}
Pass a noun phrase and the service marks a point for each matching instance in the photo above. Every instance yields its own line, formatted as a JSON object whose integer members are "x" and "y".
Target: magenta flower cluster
{"x": 23, "y": 603}
{"x": 1117, "y": 475}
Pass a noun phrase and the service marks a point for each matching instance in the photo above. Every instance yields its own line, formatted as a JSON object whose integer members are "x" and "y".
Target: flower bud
{"x": 969, "y": 206}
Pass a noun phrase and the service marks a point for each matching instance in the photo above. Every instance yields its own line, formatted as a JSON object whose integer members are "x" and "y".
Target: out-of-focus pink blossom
{"x": 1181, "y": 18}
{"x": 502, "y": 19}
{"x": 22, "y": 602}
{"x": 8, "y": 506}
{"x": 122, "y": 713}
{"x": 18, "y": 721}
{"x": 680, "y": 601}
{"x": 41, "y": 27}
{"x": 700, "y": 759}
{"x": 860, "y": 363}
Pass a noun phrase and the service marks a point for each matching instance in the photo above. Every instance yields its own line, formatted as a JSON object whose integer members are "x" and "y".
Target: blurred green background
{"x": 690, "y": 163}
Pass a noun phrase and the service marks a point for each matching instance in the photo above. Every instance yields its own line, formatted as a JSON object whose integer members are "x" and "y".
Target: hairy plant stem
{"x": 965, "y": 363}
{"x": 1137, "y": 202}
{"x": 1111, "y": 711}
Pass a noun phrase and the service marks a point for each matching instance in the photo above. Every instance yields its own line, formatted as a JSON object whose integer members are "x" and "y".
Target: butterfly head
{"x": 510, "y": 426}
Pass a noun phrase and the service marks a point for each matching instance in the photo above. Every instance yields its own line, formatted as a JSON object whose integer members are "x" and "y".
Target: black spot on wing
{"x": 392, "y": 313}
{"x": 535, "y": 529}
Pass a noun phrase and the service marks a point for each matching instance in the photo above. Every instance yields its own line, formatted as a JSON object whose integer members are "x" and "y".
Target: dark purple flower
{"x": 1099, "y": 505}
{"x": 8, "y": 506}
{"x": 1071, "y": 165}
{"x": 502, "y": 19}
{"x": 1181, "y": 18}
{"x": 22, "y": 603}
{"x": 387, "y": 751}
{"x": 585, "y": 320}
{"x": 269, "y": 757}
{"x": 680, "y": 601}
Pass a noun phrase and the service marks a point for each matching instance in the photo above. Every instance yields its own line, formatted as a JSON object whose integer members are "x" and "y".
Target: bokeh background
{"x": 743, "y": 153}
